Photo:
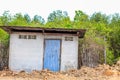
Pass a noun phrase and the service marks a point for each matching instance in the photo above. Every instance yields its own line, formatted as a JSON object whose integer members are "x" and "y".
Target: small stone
{"x": 3, "y": 74}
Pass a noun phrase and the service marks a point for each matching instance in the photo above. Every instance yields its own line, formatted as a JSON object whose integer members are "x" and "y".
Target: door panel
{"x": 52, "y": 55}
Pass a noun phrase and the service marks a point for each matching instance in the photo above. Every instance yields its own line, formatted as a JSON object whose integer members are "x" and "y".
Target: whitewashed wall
{"x": 27, "y": 54}
{"x": 69, "y": 57}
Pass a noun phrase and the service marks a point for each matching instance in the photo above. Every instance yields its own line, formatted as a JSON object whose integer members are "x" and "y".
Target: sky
{"x": 45, "y": 7}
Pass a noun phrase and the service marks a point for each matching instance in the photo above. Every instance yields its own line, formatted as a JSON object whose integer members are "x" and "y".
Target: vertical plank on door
{"x": 52, "y": 55}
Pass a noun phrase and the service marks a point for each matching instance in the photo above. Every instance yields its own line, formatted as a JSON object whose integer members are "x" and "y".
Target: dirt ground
{"x": 101, "y": 72}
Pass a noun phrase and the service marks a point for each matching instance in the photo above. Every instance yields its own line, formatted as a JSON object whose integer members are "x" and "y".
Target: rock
{"x": 108, "y": 73}
{"x": 3, "y": 74}
{"x": 118, "y": 63}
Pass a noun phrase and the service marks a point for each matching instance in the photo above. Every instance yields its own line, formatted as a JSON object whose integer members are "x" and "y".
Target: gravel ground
{"x": 101, "y": 72}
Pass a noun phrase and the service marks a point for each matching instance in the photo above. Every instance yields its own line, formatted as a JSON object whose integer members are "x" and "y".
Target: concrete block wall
{"x": 27, "y": 54}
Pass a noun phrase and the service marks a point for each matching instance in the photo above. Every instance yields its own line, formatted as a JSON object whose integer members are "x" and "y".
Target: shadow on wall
{"x": 69, "y": 66}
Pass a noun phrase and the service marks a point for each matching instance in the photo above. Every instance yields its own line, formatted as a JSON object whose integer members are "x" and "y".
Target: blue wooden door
{"x": 52, "y": 55}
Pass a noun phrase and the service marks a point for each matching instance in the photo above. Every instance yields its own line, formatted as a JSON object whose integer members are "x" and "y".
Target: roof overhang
{"x": 78, "y": 32}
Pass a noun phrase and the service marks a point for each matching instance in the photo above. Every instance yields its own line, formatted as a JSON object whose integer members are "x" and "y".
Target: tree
{"x": 5, "y": 18}
{"x": 115, "y": 21}
{"x": 27, "y": 18}
{"x": 18, "y": 20}
{"x": 99, "y": 17}
{"x": 114, "y": 37}
{"x": 59, "y": 19}
{"x": 38, "y": 19}
{"x": 81, "y": 20}
{"x": 4, "y": 21}
{"x": 80, "y": 16}
{"x": 57, "y": 15}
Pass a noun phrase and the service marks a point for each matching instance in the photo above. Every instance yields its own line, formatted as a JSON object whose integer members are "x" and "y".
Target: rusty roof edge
{"x": 10, "y": 28}
{"x": 40, "y": 28}
{"x": 82, "y": 34}
{"x": 5, "y": 29}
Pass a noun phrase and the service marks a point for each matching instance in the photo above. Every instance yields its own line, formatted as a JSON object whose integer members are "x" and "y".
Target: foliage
{"x": 38, "y": 19}
{"x": 59, "y": 19}
{"x": 27, "y": 18}
{"x": 103, "y": 32}
{"x": 17, "y": 20}
{"x": 5, "y": 18}
{"x": 80, "y": 16}
{"x": 99, "y": 17}
{"x": 110, "y": 56}
{"x": 57, "y": 15}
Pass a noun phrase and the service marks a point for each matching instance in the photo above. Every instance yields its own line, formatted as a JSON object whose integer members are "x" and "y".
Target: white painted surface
{"x": 27, "y": 54}
{"x": 69, "y": 57}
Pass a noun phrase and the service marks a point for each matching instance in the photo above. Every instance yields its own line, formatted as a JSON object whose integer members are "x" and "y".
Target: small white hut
{"x": 43, "y": 48}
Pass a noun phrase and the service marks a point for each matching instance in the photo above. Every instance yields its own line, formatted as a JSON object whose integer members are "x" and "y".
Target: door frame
{"x": 59, "y": 54}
